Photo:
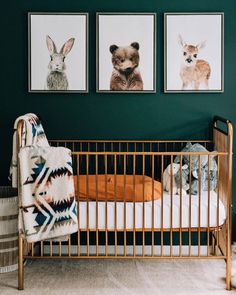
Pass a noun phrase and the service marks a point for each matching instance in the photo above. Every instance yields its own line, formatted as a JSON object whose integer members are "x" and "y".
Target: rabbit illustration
{"x": 56, "y": 78}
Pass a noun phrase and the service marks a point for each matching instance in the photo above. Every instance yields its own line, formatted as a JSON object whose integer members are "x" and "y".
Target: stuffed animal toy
{"x": 193, "y": 148}
{"x": 176, "y": 179}
{"x": 195, "y": 168}
{"x": 167, "y": 178}
{"x": 204, "y": 177}
{"x": 185, "y": 176}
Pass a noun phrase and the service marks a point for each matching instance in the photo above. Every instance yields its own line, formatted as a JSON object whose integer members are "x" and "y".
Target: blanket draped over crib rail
{"x": 48, "y": 208}
{"x": 47, "y": 205}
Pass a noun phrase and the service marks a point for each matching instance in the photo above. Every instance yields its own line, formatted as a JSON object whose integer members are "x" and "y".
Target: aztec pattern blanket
{"x": 48, "y": 208}
{"x": 47, "y": 205}
{"x": 33, "y": 134}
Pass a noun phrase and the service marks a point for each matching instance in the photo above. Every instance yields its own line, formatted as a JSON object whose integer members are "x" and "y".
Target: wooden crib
{"x": 163, "y": 227}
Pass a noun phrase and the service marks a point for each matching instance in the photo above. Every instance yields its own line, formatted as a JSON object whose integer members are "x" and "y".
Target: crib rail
{"x": 127, "y": 145}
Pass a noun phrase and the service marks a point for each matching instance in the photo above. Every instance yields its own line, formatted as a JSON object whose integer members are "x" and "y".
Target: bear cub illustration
{"x": 125, "y": 74}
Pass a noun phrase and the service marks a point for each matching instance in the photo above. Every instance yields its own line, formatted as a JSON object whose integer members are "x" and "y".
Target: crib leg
{"x": 20, "y": 264}
{"x": 228, "y": 261}
{"x": 228, "y": 273}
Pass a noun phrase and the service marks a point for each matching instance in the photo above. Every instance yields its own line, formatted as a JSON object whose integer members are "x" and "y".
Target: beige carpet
{"x": 116, "y": 277}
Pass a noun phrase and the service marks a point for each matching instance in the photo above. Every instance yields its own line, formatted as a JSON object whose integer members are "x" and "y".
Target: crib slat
{"x": 199, "y": 205}
{"x": 32, "y": 249}
{"x": 41, "y": 248}
{"x": 208, "y": 207}
{"x": 50, "y": 248}
{"x": 115, "y": 186}
{"x": 87, "y": 194}
{"x": 153, "y": 205}
{"x": 218, "y": 205}
{"x": 60, "y": 249}
{"x": 150, "y": 158}
{"x": 180, "y": 201}
{"x": 165, "y": 145}
{"x": 78, "y": 203}
{"x": 134, "y": 226}
{"x": 106, "y": 231}
{"x": 119, "y": 156}
{"x": 162, "y": 204}
{"x": 190, "y": 206}
{"x": 69, "y": 246}
{"x": 96, "y": 176}
{"x": 143, "y": 223}
{"x": 125, "y": 242}
{"x": 171, "y": 208}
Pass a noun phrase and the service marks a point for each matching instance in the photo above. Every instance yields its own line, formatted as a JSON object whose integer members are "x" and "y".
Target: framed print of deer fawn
{"x": 194, "y": 52}
{"x": 58, "y": 52}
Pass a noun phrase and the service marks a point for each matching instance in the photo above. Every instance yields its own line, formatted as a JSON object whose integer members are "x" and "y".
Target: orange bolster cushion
{"x": 120, "y": 188}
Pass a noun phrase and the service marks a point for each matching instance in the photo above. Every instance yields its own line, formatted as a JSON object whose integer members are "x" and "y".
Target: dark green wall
{"x": 112, "y": 116}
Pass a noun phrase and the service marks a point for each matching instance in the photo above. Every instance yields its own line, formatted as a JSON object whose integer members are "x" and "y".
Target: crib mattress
{"x": 138, "y": 223}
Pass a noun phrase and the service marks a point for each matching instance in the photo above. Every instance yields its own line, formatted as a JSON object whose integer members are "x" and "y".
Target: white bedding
{"x": 157, "y": 213}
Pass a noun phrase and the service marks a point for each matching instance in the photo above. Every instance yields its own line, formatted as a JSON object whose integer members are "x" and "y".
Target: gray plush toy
{"x": 185, "y": 177}
{"x": 195, "y": 168}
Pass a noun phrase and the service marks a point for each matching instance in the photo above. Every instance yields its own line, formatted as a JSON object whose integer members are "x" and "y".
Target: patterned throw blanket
{"x": 47, "y": 205}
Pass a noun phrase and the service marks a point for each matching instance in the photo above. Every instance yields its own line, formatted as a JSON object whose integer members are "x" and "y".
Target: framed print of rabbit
{"x": 58, "y": 52}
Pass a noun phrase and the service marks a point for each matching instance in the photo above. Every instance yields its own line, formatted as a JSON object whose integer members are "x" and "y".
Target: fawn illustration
{"x": 56, "y": 78}
{"x": 194, "y": 72}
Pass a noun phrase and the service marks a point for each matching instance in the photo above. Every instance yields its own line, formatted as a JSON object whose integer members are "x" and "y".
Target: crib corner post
{"x": 228, "y": 247}
{"x": 229, "y": 208}
{"x": 228, "y": 272}
{"x": 20, "y": 264}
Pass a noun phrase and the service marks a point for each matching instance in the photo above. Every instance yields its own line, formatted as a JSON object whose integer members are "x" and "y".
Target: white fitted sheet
{"x": 157, "y": 213}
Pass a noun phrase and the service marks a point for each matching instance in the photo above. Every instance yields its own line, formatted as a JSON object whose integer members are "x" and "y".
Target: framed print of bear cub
{"x": 126, "y": 52}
